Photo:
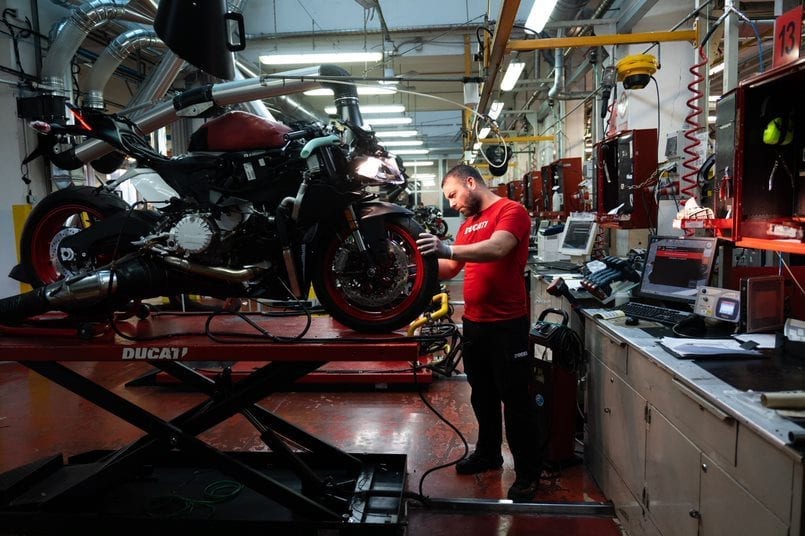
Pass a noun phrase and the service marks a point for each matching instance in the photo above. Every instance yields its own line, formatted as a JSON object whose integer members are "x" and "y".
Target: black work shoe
{"x": 523, "y": 489}
{"x": 478, "y": 463}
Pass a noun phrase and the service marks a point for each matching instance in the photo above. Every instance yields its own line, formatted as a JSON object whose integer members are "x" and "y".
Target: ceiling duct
{"x": 111, "y": 58}
{"x": 67, "y": 36}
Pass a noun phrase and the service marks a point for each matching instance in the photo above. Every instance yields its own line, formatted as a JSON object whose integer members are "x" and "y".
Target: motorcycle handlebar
{"x": 310, "y": 132}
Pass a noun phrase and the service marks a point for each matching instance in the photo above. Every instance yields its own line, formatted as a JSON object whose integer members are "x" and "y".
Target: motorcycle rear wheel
{"x": 57, "y": 215}
{"x": 376, "y": 299}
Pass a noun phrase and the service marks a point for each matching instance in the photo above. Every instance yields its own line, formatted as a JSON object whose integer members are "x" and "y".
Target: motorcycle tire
{"x": 56, "y": 215}
{"x": 376, "y": 299}
{"x": 439, "y": 227}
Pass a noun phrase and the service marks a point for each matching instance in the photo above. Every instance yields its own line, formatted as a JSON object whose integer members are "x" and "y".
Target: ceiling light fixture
{"x": 420, "y": 163}
{"x": 411, "y": 151}
{"x": 540, "y": 13}
{"x": 494, "y": 109}
{"x": 513, "y": 72}
{"x": 320, "y": 57}
{"x": 423, "y": 176}
{"x": 388, "y": 120}
{"x": 373, "y": 109}
{"x": 396, "y": 133}
{"x": 362, "y": 90}
{"x": 403, "y": 143}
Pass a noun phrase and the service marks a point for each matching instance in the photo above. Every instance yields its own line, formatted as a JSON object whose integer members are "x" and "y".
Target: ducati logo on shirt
{"x": 476, "y": 227}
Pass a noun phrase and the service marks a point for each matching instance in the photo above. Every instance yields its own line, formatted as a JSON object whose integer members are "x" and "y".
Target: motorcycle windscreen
{"x": 179, "y": 23}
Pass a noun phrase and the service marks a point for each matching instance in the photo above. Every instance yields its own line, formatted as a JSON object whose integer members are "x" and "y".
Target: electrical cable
{"x": 691, "y": 134}
{"x": 451, "y": 426}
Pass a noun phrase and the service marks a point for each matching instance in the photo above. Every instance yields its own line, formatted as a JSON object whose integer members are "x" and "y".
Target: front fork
{"x": 354, "y": 229}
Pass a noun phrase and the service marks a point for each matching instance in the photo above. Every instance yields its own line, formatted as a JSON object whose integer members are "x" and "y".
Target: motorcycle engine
{"x": 192, "y": 234}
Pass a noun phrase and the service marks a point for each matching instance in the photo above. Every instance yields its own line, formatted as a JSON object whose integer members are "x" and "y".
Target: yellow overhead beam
{"x": 525, "y": 45}
{"x": 512, "y": 163}
{"x": 518, "y": 139}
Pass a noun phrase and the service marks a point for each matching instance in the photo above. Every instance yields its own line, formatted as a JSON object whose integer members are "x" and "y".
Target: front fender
{"x": 376, "y": 209}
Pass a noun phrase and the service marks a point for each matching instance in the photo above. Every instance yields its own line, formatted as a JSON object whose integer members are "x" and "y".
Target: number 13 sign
{"x": 787, "y": 36}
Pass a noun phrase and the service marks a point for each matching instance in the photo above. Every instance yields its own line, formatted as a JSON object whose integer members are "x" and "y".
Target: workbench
{"x": 302, "y": 483}
{"x": 685, "y": 447}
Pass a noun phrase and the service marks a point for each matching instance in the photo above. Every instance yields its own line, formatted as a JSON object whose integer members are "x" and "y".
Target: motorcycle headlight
{"x": 377, "y": 170}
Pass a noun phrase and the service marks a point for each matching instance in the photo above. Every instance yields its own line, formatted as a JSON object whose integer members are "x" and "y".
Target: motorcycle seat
{"x": 238, "y": 131}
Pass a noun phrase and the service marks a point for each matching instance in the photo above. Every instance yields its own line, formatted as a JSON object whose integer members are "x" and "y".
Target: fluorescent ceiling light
{"x": 540, "y": 13}
{"x": 495, "y": 108}
{"x": 412, "y": 151}
{"x": 711, "y": 119}
{"x": 713, "y": 98}
{"x": 423, "y": 176}
{"x": 717, "y": 68}
{"x": 362, "y": 90}
{"x": 484, "y": 133}
{"x": 403, "y": 143}
{"x": 388, "y": 120}
{"x": 396, "y": 133}
{"x": 373, "y": 109}
{"x": 420, "y": 163}
{"x": 513, "y": 72}
{"x": 320, "y": 57}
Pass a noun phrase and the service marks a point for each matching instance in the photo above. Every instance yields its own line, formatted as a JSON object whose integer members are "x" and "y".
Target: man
{"x": 492, "y": 247}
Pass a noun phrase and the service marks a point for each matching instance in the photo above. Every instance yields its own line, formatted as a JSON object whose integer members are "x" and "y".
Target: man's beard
{"x": 473, "y": 205}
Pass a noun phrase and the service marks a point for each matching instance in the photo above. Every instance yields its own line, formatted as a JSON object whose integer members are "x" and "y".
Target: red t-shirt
{"x": 495, "y": 290}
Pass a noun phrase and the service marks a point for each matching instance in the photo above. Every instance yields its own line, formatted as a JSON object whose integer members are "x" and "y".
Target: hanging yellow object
{"x": 635, "y": 71}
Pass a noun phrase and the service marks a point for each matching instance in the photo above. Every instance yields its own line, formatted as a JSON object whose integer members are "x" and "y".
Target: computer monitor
{"x": 578, "y": 237}
{"x": 676, "y": 266}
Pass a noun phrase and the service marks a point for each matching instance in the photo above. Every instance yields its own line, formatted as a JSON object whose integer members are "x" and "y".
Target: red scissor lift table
{"x": 303, "y": 484}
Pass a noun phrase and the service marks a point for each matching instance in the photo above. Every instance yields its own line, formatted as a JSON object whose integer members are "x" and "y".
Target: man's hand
{"x": 429, "y": 244}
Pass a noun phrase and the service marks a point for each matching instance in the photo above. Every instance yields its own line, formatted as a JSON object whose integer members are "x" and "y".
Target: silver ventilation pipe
{"x": 220, "y": 94}
{"x": 558, "y": 70}
{"x": 111, "y": 58}
{"x": 68, "y": 35}
{"x": 157, "y": 83}
{"x": 257, "y": 106}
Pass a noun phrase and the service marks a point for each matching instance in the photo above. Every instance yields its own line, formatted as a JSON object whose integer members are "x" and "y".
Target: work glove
{"x": 429, "y": 244}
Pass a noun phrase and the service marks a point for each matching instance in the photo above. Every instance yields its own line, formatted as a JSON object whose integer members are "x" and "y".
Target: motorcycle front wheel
{"x": 376, "y": 296}
{"x": 58, "y": 215}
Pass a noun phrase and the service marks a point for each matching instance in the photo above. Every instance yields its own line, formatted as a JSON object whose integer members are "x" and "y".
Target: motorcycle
{"x": 430, "y": 217}
{"x": 259, "y": 211}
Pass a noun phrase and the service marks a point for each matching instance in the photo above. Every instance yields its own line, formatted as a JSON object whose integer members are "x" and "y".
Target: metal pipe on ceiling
{"x": 68, "y": 34}
{"x": 110, "y": 59}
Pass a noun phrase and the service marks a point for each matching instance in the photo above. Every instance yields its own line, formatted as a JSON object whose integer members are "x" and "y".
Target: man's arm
{"x": 497, "y": 246}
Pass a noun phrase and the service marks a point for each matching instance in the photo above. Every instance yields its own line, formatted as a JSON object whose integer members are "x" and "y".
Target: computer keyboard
{"x": 561, "y": 266}
{"x": 653, "y": 313}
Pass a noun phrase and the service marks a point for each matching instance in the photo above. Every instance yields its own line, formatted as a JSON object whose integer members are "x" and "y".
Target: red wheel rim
{"x": 47, "y": 228}
{"x": 416, "y": 271}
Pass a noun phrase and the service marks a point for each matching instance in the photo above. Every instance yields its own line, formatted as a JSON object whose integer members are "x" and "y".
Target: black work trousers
{"x": 500, "y": 369}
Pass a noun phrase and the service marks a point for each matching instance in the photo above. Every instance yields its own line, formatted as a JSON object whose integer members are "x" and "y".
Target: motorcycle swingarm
{"x": 127, "y": 226}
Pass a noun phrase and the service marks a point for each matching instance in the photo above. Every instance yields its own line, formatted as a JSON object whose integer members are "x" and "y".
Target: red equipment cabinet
{"x": 565, "y": 173}
{"x": 623, "y": 160}
{"x": 769, "y": 178}
{"x": 532, "y": 186}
